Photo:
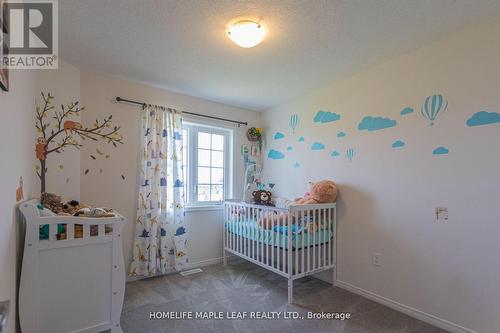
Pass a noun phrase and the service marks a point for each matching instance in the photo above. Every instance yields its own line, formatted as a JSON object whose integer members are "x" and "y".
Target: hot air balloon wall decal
{"x": 294, "y": 122}
{"x": 433, "y": 106}
{"x": 350, "y": 153}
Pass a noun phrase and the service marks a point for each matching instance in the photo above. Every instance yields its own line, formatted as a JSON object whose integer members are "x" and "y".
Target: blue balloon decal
{"x": 296, "y": 165}
{"x": 326, "y": 117}
{"x": 335, "y": 154}
{"x": 301, "y": 139}
{"x": 275, "y": 155}
{"x": 294, "y": 121}
{"x": 433, "y": 106}
{"x": 440, "y": 151}
{"x": 317, "y": 146}
{"x": 289, "y": 148}
{"x": 398, "y": 144}
{"x": 375, "y": 123}
{"x": 406, "y": 111}
{"x": 350, "y": 154}
{"x": 483, "y": 118}
{"x": 279, "y": 135}
{"x": 340, "y": 134}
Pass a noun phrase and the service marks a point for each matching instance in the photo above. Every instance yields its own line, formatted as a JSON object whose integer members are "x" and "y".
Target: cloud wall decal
{"x": 296, "y": 165}
{"x": 301, "y": 139}
{"x": 375, "y": 123}
{"x": 483, "y": 118}
{"x": 317, "y": 146}
{"x": 289, "y": 148}
{"x": 440, "y": 151}
{"x": 326, "y": 117}
{"x": 279, "y": 135}
{"x": 275, "y": 155}
{"x": 335, "y": 154}
{"x": 340, "y": 134}
{"x": 406, "y": 111}
{"x": 398, "y": 144}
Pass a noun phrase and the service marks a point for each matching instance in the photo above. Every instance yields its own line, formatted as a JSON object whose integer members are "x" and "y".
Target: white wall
{"x": 109, "y": 189}
{"x": 17, "y": 150}
{"x": 447, "y": 269}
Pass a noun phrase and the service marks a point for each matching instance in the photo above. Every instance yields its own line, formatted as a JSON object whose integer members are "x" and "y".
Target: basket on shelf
{"x": 254, "y": 134}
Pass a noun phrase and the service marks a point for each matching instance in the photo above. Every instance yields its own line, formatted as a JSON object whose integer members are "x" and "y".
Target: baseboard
{"x": 412, "y": 312}
{"x": 202, "y": 263}
{"x": 191, "y": 265}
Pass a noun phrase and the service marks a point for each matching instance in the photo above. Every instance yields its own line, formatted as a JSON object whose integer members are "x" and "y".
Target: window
{"x": 206, "y": 158}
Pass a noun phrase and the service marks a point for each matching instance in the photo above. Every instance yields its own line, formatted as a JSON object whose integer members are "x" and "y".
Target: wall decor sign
{"x": 433, "y": 106}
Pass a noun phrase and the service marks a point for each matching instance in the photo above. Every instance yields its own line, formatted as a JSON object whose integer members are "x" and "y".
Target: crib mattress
{"x": 250, "y": 229}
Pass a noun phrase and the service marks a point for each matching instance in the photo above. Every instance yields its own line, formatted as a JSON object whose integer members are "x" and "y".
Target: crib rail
{"x": 293, "y": 242}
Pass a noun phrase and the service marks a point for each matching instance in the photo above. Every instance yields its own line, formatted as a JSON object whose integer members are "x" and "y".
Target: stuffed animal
{"x": 51, "y": 201}
{"x": 323, "y": 191}
{"x": 262, "y": 197}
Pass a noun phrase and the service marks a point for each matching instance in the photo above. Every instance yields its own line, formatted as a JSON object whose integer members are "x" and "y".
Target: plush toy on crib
{"x": 323, "y": 191}
{"x": 262, "y": 197}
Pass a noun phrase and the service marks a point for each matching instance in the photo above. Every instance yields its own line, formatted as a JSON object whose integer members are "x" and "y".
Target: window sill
{"x": 188, "y": 209}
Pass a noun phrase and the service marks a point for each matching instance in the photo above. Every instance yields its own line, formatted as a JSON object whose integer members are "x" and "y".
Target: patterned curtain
{"x": 160, "y": 242}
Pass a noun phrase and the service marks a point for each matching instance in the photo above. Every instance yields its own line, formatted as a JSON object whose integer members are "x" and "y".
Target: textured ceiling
{"x": 181, "y": 45}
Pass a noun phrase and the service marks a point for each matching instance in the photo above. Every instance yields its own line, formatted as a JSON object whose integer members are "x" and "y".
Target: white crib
{"x": 295, "y": 242}
{"x": 72, "y": 281}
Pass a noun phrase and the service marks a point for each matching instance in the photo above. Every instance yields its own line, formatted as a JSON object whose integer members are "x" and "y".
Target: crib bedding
{"x": 250, "y": 229}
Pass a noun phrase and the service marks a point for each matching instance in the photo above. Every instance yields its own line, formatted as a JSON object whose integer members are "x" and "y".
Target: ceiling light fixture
{"x": 246, "y": 33}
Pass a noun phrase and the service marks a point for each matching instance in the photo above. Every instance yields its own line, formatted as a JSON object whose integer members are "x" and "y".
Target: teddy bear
{"x": 323, "y": 191}
{"x": 262, "y": 197}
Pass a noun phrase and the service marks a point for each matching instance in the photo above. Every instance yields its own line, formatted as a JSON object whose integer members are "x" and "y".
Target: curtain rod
{"x": 120, "y": 99}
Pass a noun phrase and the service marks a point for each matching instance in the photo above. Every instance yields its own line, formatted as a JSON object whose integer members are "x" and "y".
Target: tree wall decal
{"x": 60, "y": 134}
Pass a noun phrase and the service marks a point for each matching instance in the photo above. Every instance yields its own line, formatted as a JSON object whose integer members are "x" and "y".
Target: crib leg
{"x": 116, "y": 329}
{"x": 334, "y": 269}
{"x": 224, "y": 258}
{"x": 290, "y": 291}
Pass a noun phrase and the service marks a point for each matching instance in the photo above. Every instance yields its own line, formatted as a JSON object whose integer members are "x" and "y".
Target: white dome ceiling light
{"x": 246, "y": 33}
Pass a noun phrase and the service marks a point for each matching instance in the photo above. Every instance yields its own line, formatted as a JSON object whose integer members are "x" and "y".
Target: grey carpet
{"x": 242, "y": 286}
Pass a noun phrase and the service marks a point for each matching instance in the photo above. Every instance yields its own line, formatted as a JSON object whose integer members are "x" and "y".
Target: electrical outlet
{"x": 442, "y": 213}
{"x": 377, "y": 259}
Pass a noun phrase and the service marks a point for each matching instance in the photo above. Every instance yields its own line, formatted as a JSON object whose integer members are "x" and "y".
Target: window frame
{"x": 191, "y": 164}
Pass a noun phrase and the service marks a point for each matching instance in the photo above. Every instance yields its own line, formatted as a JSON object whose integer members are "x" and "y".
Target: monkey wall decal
{"x": 70, "y": 125}
{"x": 41, "y": 148}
